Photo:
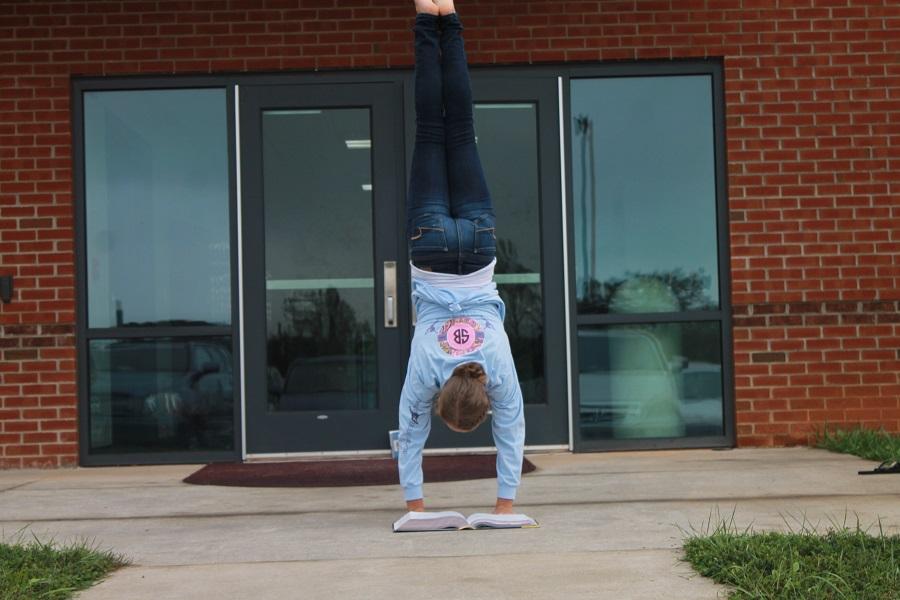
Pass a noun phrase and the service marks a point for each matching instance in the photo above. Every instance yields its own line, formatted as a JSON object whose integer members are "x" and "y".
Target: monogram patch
{"x": 460, "y": 335}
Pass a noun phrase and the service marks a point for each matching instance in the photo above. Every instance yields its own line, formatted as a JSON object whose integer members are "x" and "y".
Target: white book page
{"x": 492, "y": 520}
{"x": 429, "y": 521}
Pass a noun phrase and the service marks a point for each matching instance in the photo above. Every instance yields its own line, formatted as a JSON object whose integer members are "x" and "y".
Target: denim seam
{"x": 459, "y": 258}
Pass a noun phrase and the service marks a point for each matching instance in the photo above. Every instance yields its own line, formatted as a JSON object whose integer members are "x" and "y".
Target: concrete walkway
{"x": 611, "y": 526}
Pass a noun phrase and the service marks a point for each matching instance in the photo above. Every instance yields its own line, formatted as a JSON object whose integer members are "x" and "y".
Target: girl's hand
{"x": 503, "y": 507}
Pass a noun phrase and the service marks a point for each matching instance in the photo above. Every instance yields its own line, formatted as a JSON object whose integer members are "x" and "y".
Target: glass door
{"x": 321, "y": 183}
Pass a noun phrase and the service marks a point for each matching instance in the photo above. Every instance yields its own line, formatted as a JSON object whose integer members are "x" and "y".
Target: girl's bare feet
{"x": 427, "y": 6}
{"x": 445, "y": 7}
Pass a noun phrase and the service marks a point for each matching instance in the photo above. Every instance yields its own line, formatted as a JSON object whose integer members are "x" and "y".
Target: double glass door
{"x": 327, "y": 319}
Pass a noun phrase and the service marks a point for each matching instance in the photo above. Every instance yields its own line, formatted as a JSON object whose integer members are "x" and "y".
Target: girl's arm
{"x": 415, "y": 425}
{"x": 508, "y": 427}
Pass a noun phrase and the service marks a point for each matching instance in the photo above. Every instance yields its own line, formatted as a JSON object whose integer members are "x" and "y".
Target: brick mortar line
{"x": 886, "y": 305}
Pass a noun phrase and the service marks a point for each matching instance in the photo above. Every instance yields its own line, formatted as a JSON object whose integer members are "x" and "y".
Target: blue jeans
{"x": 450, "y": 216}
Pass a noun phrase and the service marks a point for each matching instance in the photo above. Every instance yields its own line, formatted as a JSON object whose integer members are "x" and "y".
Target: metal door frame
{"x": 267, "y": 432}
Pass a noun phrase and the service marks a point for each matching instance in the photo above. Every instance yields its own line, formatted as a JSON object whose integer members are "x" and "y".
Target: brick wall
{"x": 813, "y": 127}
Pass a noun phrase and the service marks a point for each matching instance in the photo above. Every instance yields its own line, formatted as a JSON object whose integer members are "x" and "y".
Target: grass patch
{"x": 38, "y": 570}
{"x": 871, "y": 444}
{"x": 842, "y": 562}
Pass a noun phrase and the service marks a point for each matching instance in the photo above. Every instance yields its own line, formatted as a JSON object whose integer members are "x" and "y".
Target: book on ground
{"x": 452, "y": 520}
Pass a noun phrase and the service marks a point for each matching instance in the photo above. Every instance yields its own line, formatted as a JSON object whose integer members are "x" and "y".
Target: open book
{"x": 438, "y": 521}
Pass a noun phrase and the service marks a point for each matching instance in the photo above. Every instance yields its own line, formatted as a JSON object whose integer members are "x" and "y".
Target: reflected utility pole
{"x": 584, "y": 126}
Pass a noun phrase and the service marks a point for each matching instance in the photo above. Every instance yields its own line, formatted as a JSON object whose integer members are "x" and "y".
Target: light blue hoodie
{"x": 456, "y": 326}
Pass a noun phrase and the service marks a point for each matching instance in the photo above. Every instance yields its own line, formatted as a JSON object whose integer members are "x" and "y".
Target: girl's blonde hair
{"x": 463, "y": 402}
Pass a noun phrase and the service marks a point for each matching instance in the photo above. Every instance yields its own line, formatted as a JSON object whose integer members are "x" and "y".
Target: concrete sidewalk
{"x": 611, "y": 526}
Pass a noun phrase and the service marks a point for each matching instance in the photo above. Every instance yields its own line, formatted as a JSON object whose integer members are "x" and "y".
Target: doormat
{"x": 334, "y": 473}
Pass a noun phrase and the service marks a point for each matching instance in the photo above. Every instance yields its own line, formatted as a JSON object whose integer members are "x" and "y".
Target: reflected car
{"x": 331, "y": 382}
{"x": 627, "y": 387}
{"x": 700, "y": 384}
{"x": 167, "y": 393}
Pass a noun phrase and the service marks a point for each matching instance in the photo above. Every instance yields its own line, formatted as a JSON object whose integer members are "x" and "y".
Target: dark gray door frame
{"x": 320, "y": 430}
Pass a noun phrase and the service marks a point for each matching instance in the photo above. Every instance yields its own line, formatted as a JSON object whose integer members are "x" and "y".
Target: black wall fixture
{"x": 6, "y": 287}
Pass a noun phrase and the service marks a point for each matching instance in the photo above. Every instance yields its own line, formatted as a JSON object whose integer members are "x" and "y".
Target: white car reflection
{"x": 627, "y": 387}
{"x": 700, "y": 386}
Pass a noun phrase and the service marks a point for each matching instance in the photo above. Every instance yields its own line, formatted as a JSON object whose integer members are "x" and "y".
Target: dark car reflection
{"x": 331, "y": 382}
{"x": 161, "y": 395}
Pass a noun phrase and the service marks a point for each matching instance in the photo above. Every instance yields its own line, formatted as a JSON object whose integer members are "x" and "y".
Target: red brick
{"x": 21, "y": 450}
{"x": 42, "y": 462}
{"x": 770, "y": 428}
{"x": 748, "y": 441}
{"x": 59, "y": 449}
{"x": 14, "y": 426}
{"x": 39, "y": 438}
{"x": 754, "y": 417}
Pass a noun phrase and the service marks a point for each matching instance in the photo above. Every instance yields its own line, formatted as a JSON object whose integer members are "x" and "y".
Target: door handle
{"x": 390, "y": 294}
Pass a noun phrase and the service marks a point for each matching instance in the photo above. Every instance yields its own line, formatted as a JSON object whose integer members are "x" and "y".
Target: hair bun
{"x": 472, "y": 370}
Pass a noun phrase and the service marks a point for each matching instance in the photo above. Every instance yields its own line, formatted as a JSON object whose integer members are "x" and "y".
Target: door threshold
{"x": 350, "y": 454}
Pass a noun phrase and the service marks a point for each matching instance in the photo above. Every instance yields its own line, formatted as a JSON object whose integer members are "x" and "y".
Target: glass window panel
{"x": 650, "y": 381}
{"x": 643, "y": 179}
{"x": 507, "y": 145}
{"x": 320, "y": 290}
{"x": 160, "y": 395}
{"x": 157, "y": 206}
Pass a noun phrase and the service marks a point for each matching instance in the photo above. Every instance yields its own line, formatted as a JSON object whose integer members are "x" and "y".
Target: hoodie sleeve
{"x": 508, "y": 427}
{"x": 415, "y": 425}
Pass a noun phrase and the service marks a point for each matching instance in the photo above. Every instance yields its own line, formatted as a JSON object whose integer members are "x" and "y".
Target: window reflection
{"x": 157, "y": 208}
{"x": 507, "y": 145}
{"x": 650, "y": 381}
{"x": 322, "y": 356}
{"x": 156, "y": 395}
{"x": 320, "y": 286}
{"x": 643, "y": 170}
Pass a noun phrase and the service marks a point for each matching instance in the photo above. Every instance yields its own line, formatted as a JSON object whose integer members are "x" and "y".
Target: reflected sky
{"x": 156, "y": 189}
{"x": 644, "y": 178}
{"x": 318, "y": 204}
{"x": 318, "y": 199}
{"x": 507, "y": 147}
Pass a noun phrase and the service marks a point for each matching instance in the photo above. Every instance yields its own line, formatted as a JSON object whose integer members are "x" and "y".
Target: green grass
{"x": 39, "y": 570}
{"x": 866, "y": 443}
{"x": 842, "y": 562}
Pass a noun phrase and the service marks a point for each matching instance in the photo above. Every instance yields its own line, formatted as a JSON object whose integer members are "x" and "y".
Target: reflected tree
{"x": 689, "y": 290}
{"x": 524, "y": 323}
{"x": 320, "y": 323}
